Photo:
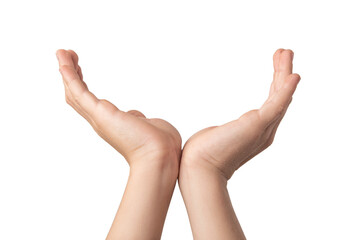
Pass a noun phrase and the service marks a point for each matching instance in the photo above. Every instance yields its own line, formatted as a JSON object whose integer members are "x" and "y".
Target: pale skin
{"x": 152, "y": 148}
{"x": 211, "y": 156}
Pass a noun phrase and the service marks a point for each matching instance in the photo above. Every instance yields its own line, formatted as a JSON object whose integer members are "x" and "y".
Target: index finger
{"x": 275, "y": 106}
{"x": 78, "y": 91}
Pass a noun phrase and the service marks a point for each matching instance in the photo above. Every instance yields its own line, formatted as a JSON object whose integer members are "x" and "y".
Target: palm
{"x": 229, "y": 146}
{"x": 130, "y": 133}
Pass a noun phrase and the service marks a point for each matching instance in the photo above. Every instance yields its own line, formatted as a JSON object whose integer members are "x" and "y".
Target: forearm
{"x": 208, "y": 204}
{"x": 145, "y": 202}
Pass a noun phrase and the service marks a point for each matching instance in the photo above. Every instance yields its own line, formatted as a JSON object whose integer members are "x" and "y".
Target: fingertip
{"x": 285, "y": 63}
{"x": 59, "y": 51}
{"x": 295, "y": 77}
{"x": 291, "y": 52}
{"x": 74, "y": 56}
{"x": 276, "y": 59}
{"x": 72, "y": 52}
{"x": 288, "y": 53}
{"x": 277, "y": 52}
{"x": 65, "y": 58}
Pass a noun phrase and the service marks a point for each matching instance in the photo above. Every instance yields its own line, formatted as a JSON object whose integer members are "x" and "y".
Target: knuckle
{"x": 269, "y": 142}
{"x": 271, "y": 139}
{"x": 105, "y": 105}
{"x": 279, "y": 110}
{"x": 290, "y": 100}
{"x": 62, "y": 68}
{"x": 67, "y": 99}
{"x": 254, "y": 115}
{"x": 77, "y": 99}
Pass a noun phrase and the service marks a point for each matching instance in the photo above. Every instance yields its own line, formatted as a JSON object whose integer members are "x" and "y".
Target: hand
{"x": 136, "y": 137}
{"x": 211, "y": 156}
{"x": 225, "y": 148}
{"x": 152, "y": 147}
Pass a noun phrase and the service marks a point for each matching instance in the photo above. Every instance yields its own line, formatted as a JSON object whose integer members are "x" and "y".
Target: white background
{"x": 195, "y": 64}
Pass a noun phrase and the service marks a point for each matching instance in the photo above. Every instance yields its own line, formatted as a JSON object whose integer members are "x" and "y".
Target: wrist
{"x": 165, "y": 165}
{"x": 146, "y": 198}
{"x": 204, "y": 190}
{"x": 192, "y": 170}
{"x": 196, "y": 166}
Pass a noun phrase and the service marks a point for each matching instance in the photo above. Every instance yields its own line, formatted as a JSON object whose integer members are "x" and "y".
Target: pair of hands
{"x": 150, "y": 144}
{"x": 225, "y": 147}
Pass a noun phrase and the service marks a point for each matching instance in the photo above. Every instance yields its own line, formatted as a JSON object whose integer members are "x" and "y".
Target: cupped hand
{"x": 225, "y": 148}
{"x": 133, "y": 135}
